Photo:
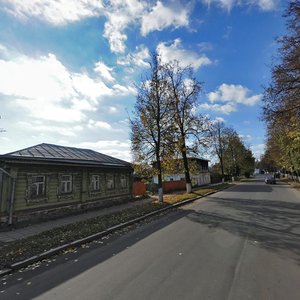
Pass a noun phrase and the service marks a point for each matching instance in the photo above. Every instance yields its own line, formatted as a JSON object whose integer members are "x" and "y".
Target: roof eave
{"x": 61, "y": 162}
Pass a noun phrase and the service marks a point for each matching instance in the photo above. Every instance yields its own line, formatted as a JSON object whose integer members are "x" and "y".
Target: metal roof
{"x": 61, "y": 154}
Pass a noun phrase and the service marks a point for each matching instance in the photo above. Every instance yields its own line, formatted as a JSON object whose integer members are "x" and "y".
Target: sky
{"x": 69, "y": 69}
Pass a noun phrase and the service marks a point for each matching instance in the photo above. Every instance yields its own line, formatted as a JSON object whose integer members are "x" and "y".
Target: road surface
{"x": 241, "y": 243}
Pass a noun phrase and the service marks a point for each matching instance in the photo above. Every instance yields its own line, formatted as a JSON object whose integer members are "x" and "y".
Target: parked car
{"x": 270, "y": 179}
{"x": 277, "y": 175}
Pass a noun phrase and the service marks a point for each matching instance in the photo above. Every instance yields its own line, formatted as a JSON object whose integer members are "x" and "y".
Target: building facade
{"x": 50, "y": 178}
{"x": 200, "y": 174}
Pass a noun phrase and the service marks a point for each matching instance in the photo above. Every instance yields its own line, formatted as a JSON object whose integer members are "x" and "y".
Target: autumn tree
{"x": 239, "y": 159}
{"x": 281, "y": 101}
{"x": 235, "y": 158}
{"x": 189, "y": 128}
{"x": 218, "y": 143}
{"x": 151, "y": 123}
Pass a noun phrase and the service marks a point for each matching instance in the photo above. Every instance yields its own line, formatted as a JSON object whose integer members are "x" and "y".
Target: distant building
{"x": 200, "y": 174}
{"x": 47, "y": 179}
{"x": 256, "y": 171}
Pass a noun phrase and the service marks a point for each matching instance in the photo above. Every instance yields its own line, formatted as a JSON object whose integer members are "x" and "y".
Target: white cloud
{"x": 37, "y": 127}
{"x": 220, "y": 119}
{"x": 185, "y": 57}
{"x": 4, "y": 139}
{"x": 89, "y": 87}
{"x": 231, "y": 95}
{"x": 3, "y": 51}
{"x": 258, "y": 150}
{"x": 98, "y": 124}
{"x": 47, "y": 90}
{"x": 56, "y": 12}
{"x": 162, "y": 16}
{"x": 125, "y": 90}
{"x": 245, "y": 137}
{"x": 115, "y": 148}
{"x": 265, "y": 5}
{"x": 234, "y": 93}
{"x": 113, "y": 109}
{"x": 139, "y": 58}
{"x": 120, "y": 14}
{"x": 225, "y": 109}
{"x": 44, "y": 101}
{"x": 42, "y": 86}
{"x": 104, "y": 71}
{"x": 30, "y": 78}
{"x": 225, "y": 4}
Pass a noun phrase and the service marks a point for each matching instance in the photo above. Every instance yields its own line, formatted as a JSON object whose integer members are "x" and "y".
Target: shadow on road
{"x": 253, "y": 188}
{"x": 274, "y": 225}
{"x": 69, "y": 264}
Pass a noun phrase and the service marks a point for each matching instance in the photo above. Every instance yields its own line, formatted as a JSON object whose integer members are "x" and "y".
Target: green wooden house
{"x": 49, "y": 179}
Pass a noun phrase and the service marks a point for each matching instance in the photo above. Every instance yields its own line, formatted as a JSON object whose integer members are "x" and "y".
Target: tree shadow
{"x": 274, "y": 225}
{"x": 73, "y": 262}
{"x": 252, "y": 188}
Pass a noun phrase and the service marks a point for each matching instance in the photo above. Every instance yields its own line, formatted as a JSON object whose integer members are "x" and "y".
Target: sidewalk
{"x": 21, "y": 233}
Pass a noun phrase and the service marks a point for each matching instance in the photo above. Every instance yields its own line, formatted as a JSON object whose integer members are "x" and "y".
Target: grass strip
{"x": 27, "y": 247}
{"x": 172, "y": 199}
{"x": 30, "y": 246}
{"x": 292, "y": 183}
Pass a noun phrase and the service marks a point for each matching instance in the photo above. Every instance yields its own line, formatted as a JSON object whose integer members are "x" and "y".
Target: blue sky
{"x": 69, "y": 68}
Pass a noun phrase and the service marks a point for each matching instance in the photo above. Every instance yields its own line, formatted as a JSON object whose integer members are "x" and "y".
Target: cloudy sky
{"x": 69, "y": 68}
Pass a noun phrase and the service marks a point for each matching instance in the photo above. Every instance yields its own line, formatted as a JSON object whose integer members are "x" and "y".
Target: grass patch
{"x": 25, "y": 248}
{"x": 294, "y": 184}
{"x": 172, "y": 199}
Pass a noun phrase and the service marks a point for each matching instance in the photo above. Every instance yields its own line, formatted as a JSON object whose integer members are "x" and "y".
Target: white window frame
{"x": 66, "y": 184}
{"x": 37, "y": 185}
{"x": 110, "y": 178}
{"x": 124, "y": 181}
{"x": 95, "y": 183}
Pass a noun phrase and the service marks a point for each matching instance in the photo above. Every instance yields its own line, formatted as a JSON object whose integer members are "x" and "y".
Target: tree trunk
{"x": 186, "y": 171}
{"x": 160, "y": 183}
{"x": 222, "y": 168}
{"x": 220, "y": 150}
{"x": 188, "y": 188}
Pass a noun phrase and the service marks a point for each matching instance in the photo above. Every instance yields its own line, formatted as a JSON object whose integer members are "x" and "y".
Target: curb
{"x": 51, "y": 252}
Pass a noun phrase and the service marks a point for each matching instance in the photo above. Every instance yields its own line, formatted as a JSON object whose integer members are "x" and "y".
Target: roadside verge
{"x": 25, "y": 252}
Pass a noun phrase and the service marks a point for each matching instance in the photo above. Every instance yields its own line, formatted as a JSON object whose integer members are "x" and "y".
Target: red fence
{"x": 170, "y": 186}
{"x": 138, "y": 188}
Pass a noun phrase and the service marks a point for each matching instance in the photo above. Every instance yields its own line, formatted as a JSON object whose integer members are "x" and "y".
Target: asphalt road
{"x": 241, "y": 243}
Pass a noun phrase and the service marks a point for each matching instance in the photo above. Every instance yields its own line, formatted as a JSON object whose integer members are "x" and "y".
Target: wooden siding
{"x": 53, "y": 197}
{"x": 5, "y": 193}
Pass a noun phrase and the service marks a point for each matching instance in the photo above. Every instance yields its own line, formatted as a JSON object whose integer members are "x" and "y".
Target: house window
{"x": 66, "y": 184}
{"x": 38, "y": 187}
{"x": 110, "y": 181}
{"x": 95, "y": 182}
{"x": 124, "y": 182}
